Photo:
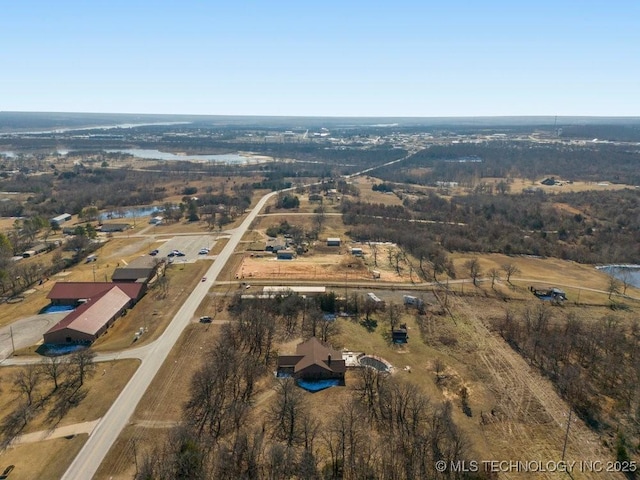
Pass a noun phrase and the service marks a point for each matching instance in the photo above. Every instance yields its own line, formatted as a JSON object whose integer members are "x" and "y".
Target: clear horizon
{"x": 364, "y": 59}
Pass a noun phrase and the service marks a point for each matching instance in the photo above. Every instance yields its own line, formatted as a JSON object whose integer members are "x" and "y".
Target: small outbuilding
{"x": 285, "y": 254}
{"x": 114, "y": 227}
{"x": 60, "y": 219}
{"x": 400, "y": 335}
{"x": 411, "y": 301}
{"x": 333, "y": 242}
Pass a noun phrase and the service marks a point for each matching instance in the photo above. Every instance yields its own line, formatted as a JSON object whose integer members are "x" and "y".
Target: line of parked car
{"x": 178, "y": 253}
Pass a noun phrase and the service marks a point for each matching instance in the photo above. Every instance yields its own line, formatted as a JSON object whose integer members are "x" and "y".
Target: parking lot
{"x": 190, "y": 245}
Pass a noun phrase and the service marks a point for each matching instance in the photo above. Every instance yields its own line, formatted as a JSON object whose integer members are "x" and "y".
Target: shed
{"x": 400, "y": 335}
{"x": 333, "y": 242}
{"x": 373, "y": 297}
{"x": 357, "y": 252}
{"x": 114, "y": 227}
{"x": 409, "y": 300}
{"x": 60, "y": 219}
{"x": 285, "y": 254}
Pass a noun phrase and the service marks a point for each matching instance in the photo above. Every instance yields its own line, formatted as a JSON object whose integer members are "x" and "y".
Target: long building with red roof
{"x": 100, "y": 305}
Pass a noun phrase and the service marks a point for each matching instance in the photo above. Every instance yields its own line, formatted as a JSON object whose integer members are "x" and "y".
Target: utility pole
{"x": 566, "y": 435}
{"x": 13, "y": 347}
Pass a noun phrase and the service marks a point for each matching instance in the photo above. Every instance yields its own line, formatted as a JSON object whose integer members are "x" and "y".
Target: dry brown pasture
{"x": 367, "y": 195}
{"x": 46, "y": 460}
{"x": 583, "y": 284}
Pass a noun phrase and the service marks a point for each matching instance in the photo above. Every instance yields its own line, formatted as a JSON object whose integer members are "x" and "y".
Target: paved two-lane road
{"x": 108, "y": 429}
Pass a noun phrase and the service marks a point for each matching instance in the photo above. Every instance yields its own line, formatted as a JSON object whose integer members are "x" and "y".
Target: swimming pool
{"x": 57, "y": 308}
{"x": 53, "y": 350}
{"x": 317, "y": 385}
{"x": 378, "y": 363}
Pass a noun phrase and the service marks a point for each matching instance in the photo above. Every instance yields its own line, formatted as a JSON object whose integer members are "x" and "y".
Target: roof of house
{"x": 143, "y": 261}
{"x": 90, "y": 290}
{"x": 312, "y": 353}
{"x": 131, "y": 273}
{"x": 114, "y": 226}
{"x": 91, "y": 317}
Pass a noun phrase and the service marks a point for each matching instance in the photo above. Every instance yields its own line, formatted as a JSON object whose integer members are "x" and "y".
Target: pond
{"x": 630, "y": 274}
{"x": 158, "y": 155}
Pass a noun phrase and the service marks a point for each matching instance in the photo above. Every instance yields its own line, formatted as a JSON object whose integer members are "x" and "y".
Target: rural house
{"x": 312, "y": 361}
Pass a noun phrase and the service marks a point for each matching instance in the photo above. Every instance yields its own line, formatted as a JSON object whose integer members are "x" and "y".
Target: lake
{"x": 628, "y": 273}
{"x": 158, "y": 155}
{"x": 130, "y": 213}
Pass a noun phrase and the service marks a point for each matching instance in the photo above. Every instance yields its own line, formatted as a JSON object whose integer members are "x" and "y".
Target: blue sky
{"x": 328, "y": 58}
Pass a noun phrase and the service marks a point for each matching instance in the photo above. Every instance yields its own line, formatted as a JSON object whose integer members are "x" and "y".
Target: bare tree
{"x": 287, "y": 412}
{"x": 626, "y": 280}
{"x": 319, "y": 217}
{"x": 13, "y": 423}
{"x": 54, "y": 368}
{"x": 494, "y": 274}
{"x": 613, "y": 287}
{"x": 26, "y": 381}
{"x": 473, "y": 267}
{"x": 438, "y": 366}
{"x": 82, "y": 364}
{"x": 374, "y": 251}
{"x": 393, "y": 314}
{"x": 510, "y": 269}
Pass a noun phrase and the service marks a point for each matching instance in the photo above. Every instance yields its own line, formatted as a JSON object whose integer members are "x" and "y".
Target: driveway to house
{"x": 26, "y": 332}
{"x": 115, "y": 420}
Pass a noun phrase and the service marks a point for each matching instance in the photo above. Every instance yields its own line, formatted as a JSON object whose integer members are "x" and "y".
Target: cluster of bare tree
{"x": 385, "y": 429}
{"x": 53, "y": 386}
{"x": 289, "y": 315}
{"x": 595, "y": 365}
{"x": 512, "y": 224}
{"x": 466, "y": 163}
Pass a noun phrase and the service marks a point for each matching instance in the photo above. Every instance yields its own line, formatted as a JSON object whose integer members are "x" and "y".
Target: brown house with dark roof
{"x": 313, "y": 361}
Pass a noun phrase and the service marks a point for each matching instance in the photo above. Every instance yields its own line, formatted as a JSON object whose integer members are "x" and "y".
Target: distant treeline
{"x": 597, "y": 162}
{"x": 607, "y": 230}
